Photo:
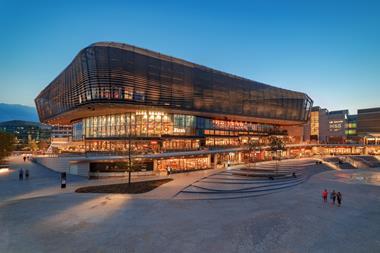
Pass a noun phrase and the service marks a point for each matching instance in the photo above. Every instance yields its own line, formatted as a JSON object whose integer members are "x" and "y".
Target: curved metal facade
{"x": 108, "y": 74}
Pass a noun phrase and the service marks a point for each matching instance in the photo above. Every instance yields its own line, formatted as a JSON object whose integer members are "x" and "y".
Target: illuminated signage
{"x": 222, "y": 124}
{"x": 179, "y": 130}
{"x": 335, "y": 125}
{"x": 150, "y": 113}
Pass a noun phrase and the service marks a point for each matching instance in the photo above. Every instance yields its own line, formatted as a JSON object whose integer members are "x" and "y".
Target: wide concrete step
{"x": 246, "y": 182}
{"x": 205, "y": 188}
{"x": 233, "y": 195}
{"x": 229, "y": 185}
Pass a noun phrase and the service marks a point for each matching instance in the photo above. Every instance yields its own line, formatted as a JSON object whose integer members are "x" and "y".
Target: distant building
{"x": 61, "y": 131}
{"x": 339, "y": 127}
{"x": 61, "y": 136}
{"x": 368, "y": 125}
{"x": 337, "y": 121}
{"x": 318, "y": 125}
{"x": 26, "y": 131}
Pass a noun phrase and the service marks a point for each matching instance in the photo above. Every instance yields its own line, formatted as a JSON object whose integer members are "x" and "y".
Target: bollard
{"x": 63, "y": 180}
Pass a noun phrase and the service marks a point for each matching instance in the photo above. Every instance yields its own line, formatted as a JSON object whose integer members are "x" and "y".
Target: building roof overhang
{"x": 96, "y": 109}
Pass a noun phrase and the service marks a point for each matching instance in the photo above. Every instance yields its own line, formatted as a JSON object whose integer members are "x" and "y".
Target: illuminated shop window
{"x": 78, "y": 131}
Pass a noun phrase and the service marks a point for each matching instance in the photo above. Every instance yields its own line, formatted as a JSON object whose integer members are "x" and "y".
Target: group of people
{"x": 26, "y": 157}
{"x": 334, "y": 197}
{"x": 168, "y": 170}
{"x": 21, "y": 174}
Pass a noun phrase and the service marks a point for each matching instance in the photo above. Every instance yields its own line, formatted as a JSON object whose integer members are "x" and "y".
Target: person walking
{"x": 339, "y": 198}
{"x": 324, "y": 195}
{"x": 21, "y": 174}
{"x": 24, "y": 158}
{"x": 333, "y": 197}
{"x": 26, "y": 174}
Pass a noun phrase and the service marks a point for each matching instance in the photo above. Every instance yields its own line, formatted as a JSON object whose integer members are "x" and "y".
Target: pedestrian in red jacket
{"x": 324, "y": 195}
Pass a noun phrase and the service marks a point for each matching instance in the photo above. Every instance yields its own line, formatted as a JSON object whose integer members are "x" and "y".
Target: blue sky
{"x": 328, "y": 49}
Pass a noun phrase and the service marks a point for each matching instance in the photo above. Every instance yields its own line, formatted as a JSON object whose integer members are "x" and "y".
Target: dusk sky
{"x": 328, "y": 49}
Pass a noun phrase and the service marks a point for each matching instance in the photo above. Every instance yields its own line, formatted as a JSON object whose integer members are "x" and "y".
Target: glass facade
{"x": 158, "y": 124}
{"x": 183, "y": 164}
{"x": 140, "y": 123}
{"x": 78, "y": 131}
{"x": 158, "y": 131}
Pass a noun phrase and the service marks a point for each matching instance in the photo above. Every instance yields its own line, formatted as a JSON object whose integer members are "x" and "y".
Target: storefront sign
{"x": 179, "y": 130}
{"x": 151, "y": 113}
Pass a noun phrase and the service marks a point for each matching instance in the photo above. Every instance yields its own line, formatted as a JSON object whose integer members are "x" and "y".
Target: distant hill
{"x": 17, "y": 112}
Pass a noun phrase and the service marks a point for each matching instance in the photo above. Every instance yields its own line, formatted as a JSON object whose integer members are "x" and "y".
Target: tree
{"x": 32, "y": 145}
{"x": 253, "y": 145}
{"x": 129, "y": 166}
{"x": 276, "y": 144}
{"x": 6, "y": 144}
{"x": 43, "y": 145}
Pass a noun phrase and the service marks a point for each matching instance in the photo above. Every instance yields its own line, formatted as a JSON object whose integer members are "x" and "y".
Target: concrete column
{"x": 155, "y": 165}
{"x": 215, "y": 156}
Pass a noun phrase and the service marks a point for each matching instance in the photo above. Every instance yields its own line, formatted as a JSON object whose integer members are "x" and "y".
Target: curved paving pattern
{"x": 242, "y": 182}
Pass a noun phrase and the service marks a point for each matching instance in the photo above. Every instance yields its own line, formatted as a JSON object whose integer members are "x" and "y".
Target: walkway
{"x": 295, "y": 220}
{"x": 44, "y": 182}
{"x": 40, "y": 178}
{"x": 207, "y": 184}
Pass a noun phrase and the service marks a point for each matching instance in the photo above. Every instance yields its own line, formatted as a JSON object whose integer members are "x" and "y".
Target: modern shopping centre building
{"x": 165, "y": 111}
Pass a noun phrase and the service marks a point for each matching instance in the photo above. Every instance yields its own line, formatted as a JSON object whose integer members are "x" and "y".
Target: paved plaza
{"x": 37, "y": 216}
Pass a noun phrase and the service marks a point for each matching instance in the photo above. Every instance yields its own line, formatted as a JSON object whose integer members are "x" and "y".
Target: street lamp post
{"x": 257, "y": 151}
{"x": 278, "y": 155}
{"x": 129, "y": 152}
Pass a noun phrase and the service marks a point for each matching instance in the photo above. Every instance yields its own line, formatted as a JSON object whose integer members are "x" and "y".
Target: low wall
{"x": 120, "y": 174}
{"x": 61, "y": 164}
{"x": 54, "y": 163}
{"x": 81, "y": 169}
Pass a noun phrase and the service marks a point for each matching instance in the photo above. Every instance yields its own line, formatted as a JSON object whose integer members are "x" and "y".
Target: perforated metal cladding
{"x": 109, "y": 73}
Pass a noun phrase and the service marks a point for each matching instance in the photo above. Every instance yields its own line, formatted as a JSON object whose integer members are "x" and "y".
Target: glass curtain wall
{"x": 145, "y": 124}
{"x": 159, "y": 124}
